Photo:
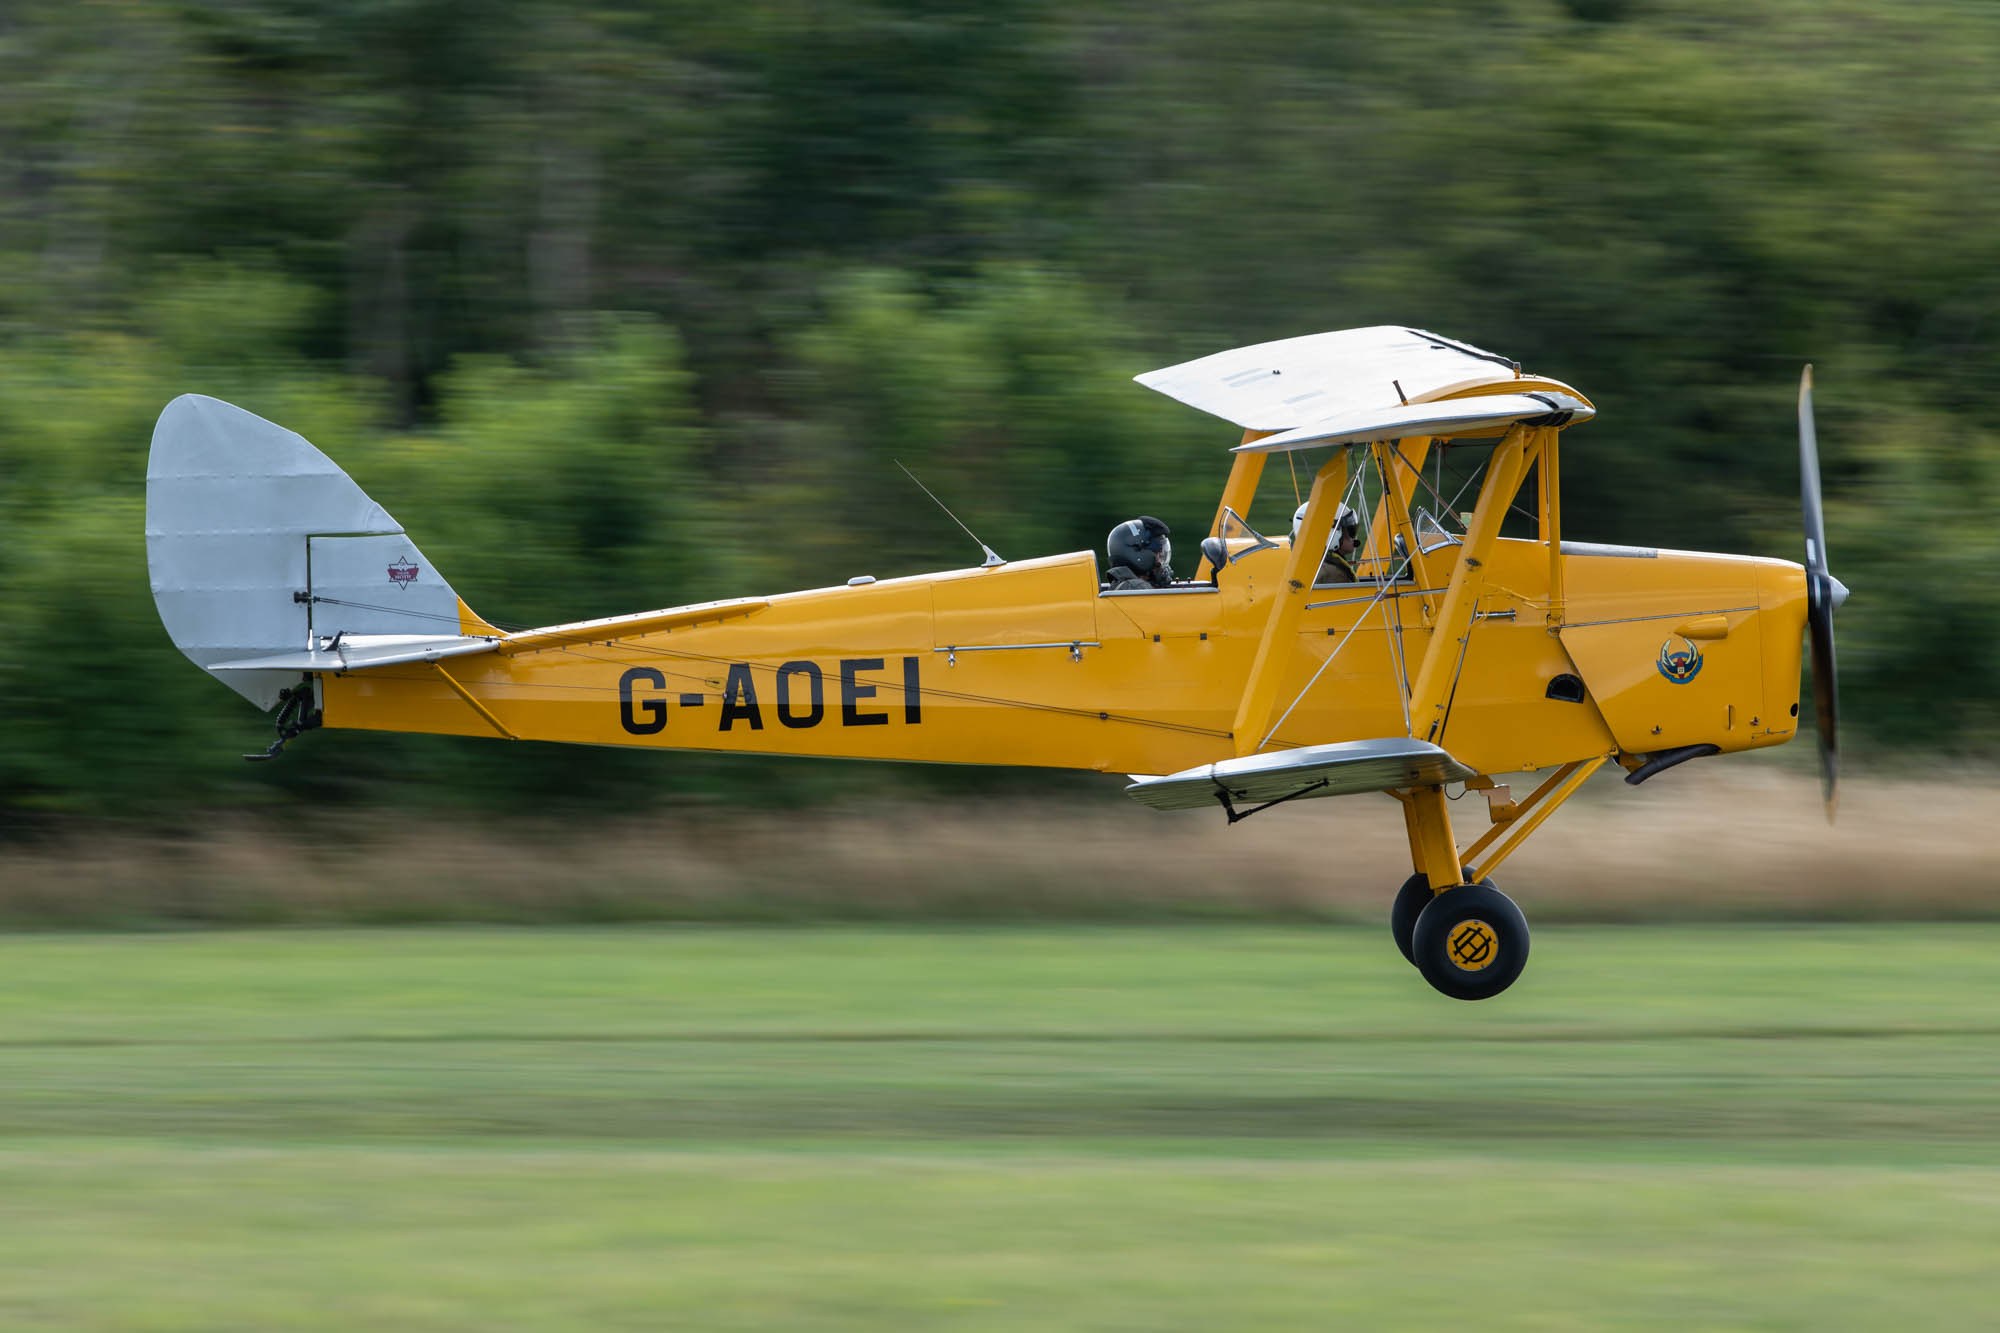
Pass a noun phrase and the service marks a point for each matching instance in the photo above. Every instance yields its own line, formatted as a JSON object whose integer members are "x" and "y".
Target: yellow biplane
{"x": 1435, "y": 651}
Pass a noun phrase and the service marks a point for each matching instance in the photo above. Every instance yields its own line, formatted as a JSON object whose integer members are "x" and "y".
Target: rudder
{"x": 258, "y": 544}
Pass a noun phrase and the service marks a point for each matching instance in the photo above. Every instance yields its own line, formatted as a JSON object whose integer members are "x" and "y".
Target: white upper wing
{"x": 1278, "y": 385}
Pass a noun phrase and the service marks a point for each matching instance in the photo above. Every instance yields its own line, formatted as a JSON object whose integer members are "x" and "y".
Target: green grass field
{"x": 1101, "y": 1128}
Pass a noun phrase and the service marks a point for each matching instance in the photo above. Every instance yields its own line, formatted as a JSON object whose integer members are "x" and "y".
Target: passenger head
{"x": 1346, "y": 529}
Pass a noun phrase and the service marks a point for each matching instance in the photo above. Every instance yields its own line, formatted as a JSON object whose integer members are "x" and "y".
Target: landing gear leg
{"x": 1470, "y": 941}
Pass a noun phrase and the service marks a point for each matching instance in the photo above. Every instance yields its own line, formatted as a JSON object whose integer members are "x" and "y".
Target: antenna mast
{"x": 992, "y": 559}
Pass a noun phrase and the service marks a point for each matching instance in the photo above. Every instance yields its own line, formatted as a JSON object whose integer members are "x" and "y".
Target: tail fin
{"x": 260, "y": 547}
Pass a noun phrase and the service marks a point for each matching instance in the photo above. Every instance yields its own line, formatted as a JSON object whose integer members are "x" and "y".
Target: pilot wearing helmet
{"x": 1337, "y": 565}
{"x": 1139, "y": 553}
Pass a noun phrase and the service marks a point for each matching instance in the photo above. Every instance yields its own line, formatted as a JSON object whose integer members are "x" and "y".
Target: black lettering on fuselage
{"x": 739, "y": 699}
{"x": 815, "y": 681}
{"x": 644, "y": 717}
{"x": 852, "y": 692}
{"x": 801, "y": 696}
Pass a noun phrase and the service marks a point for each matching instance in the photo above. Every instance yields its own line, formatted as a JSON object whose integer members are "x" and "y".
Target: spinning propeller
{"x": 1824, "y": 595}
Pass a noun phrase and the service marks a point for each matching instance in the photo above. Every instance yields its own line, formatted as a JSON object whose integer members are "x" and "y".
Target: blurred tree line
{"x": 628, "y": 303}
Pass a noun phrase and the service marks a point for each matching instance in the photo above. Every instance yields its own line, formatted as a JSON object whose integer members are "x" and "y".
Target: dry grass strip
{"x": 1703, "y": 843}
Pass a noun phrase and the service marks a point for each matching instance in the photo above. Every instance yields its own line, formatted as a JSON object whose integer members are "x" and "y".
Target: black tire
{"x": 1411, "y": 900}
{"x": 1471, "y": 942}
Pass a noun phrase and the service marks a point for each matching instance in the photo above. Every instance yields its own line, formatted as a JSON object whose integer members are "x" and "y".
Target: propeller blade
{"x": 1826, "y": 699}
{"x": 1824, "y": 594}
{"x": 1809, "y": 477}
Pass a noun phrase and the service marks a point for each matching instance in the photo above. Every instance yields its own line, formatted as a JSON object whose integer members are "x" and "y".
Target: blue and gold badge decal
{"x": 1680, "y": 667}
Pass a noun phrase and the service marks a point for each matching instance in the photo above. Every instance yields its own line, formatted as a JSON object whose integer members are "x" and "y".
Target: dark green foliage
{"x": 838, "y": 234}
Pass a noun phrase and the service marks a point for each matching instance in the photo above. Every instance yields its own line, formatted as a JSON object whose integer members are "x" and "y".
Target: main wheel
{"x": 1411, "y": 900}
{"x": 1471, "y": 942}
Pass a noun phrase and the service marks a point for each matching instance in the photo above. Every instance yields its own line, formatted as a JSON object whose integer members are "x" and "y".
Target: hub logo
{"x": 1679, "y": 667}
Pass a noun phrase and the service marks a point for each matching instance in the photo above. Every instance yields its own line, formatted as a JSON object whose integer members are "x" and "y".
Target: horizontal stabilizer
{"x": 1314, "y": 770}
{"x": 1456, "y": 416}
{"x": 358, "y": 652}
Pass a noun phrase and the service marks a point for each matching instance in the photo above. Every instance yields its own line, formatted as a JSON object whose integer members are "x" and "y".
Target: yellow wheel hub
{"x": 1472, "y": 945}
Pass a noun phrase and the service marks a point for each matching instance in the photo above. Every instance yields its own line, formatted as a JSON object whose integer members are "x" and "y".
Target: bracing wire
{"x": 1345, "y": 639}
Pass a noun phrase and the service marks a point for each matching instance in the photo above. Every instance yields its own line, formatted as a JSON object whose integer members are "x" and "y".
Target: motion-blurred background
{"x": 632, "y": 303}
